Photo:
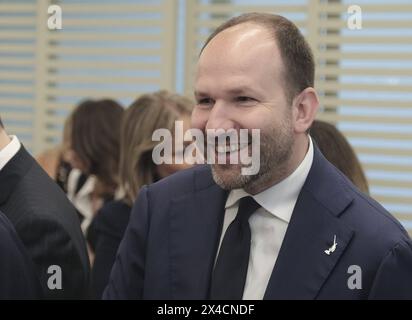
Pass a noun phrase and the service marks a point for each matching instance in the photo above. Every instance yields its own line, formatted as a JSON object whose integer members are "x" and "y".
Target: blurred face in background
{"x": 150, "y": 112}
{"x": 68, "y": 154}
{"x": 74, "y": 160}
{"x": 165, "y": 170}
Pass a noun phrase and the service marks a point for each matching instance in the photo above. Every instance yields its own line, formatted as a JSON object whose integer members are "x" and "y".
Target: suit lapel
{"x": 302, "y": 265}
{"x": 195, "y": 227}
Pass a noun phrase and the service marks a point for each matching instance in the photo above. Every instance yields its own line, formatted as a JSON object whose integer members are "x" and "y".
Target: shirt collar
{"x": 280, "y": 198}
{"x": 9, "y": 151}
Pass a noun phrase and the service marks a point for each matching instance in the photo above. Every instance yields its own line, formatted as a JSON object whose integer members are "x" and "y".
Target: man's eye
{"x": 205, "y": 101}
{"x": 244, "y": 99}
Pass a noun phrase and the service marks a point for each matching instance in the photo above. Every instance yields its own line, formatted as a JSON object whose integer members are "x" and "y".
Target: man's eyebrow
{"x": 236, "y": 91}
{"x": 233, "y": 92}
{"x": 200, "y": 94}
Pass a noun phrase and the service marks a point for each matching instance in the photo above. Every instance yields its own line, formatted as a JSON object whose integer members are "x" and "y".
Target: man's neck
{"x": 4, "y": 139}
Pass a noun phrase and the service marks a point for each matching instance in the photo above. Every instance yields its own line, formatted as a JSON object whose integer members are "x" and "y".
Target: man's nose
{"x": 221, "y": 117}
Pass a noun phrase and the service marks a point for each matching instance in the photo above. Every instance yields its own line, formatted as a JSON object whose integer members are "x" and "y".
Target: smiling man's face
{"x": 240, "y": 85}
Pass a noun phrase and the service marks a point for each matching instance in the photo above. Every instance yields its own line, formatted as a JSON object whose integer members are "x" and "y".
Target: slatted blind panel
{"x": 365, "y": 78}
{"x": 106, "y": 49}
{"x": 114, "y": 49}
{"x": 17, "y": 67}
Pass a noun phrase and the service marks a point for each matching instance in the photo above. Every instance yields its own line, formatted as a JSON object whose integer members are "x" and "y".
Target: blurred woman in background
{"x": 334, "y": 146}
{"x": 154, "y": 111}
{"x": 54, "y": 160}
{"x": 93, "y": 151}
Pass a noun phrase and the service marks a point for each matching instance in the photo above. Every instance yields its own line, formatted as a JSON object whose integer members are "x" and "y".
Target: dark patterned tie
{"x": 230, "y": 271}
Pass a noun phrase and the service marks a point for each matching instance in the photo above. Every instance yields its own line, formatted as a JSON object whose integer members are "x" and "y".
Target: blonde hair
{"x": 148, "y": 113}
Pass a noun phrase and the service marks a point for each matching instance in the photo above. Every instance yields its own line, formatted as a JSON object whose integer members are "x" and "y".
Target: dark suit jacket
{"x": 170, "y": 245}
{"x": 109, "y": 227}
{"x": 18, "y": 279}
{"x": 47, "y": 224}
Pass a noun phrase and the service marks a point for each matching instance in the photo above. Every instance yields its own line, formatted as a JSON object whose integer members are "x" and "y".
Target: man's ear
{"x": 305, "y": 106}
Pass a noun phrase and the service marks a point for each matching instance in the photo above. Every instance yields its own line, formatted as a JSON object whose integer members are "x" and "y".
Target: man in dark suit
{"x": 18, "y": 279}
{"x": 298, "y": 229}
{"x": 45, "y": 221}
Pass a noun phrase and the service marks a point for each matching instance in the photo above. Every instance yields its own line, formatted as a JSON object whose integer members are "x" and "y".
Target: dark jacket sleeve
{"x": 394, "y": 277}
{"x": 110, "y": 224}
{"x": 127, "y": 276}
{"x": 18, "y": 279}
{"x": 53, "y": 252}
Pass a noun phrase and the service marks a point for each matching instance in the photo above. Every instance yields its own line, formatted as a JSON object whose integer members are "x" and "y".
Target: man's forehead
{"x": 240, "y": 34}
{"x": 235, "y": 65}
{"x": 244, "y": 42}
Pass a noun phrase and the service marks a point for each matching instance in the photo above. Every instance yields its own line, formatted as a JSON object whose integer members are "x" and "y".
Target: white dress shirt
{"x": 268, "y": 224}
{"x": 82, "y": 200}
{"x": 9, "y": 151}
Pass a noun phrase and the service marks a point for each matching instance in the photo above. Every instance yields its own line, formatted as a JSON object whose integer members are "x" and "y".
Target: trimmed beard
{"x": 275, "y": 151}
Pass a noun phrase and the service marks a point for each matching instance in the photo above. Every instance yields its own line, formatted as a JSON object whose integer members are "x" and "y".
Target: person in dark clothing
{"x": 295, "y": 229}
{"x": 105, "y": 234}
{"x": 93, "y": 134}
{"x": 141, "y": 119}
{"x": 44, "y": 220}
{"x": 18, "y": 279}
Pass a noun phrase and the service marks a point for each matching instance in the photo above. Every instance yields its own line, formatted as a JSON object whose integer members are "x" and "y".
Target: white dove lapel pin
{"x": 333, "y": 247}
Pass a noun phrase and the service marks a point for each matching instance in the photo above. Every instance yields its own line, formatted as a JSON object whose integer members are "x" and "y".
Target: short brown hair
{"x": 148, "y": 113}
{"x": 299, "y": 71}
{"x": 1, "y": 123}
{"x": 95, "y": 137}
